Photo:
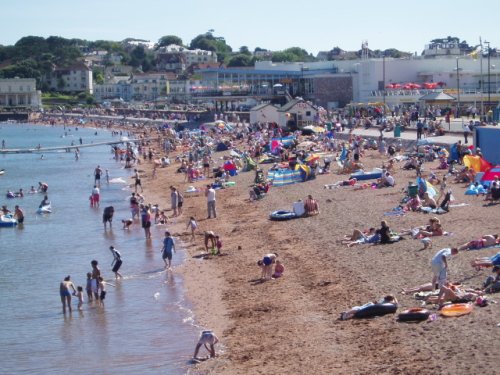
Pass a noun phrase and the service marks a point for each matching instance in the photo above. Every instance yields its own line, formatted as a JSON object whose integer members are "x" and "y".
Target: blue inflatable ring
{"x": 282, "y": 215}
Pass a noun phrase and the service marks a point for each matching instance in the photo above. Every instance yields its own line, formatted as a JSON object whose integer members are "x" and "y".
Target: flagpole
{"x": 482, "y": 80}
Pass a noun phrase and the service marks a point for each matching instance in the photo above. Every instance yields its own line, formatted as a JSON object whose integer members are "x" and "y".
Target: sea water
{"x": 146, "y": 326}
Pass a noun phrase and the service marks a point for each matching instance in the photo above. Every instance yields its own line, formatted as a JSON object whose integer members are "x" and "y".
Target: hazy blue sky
{"x": 272, "y": 24}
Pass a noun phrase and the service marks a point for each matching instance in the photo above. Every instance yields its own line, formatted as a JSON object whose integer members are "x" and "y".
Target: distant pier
{"x": 61, "y": 148}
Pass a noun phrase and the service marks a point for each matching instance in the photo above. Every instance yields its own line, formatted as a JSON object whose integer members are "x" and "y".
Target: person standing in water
{"x": 117, "y": 262}
{"x": 168, "y": 246}
{"x": 97, "y": 176}
{"x": 64, "y": 291}
{"x": 19, "y": 214}
{"x": 96, "y": 273}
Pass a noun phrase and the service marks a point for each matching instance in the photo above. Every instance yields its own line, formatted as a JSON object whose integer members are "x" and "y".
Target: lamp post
{"x": 458, "y": 90}
{"x": 383, "y": 79}
{"x": 489, "y": 75}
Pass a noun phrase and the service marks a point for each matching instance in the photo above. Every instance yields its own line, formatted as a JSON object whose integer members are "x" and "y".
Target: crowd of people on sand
{"x": 191, "y": 152}
{"x": 431, "y": 193}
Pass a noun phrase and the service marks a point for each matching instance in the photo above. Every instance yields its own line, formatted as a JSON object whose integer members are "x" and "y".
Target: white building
{"x": 19, "y": 92}
{"x": 115, "y": 88}
{"x": 298, "y": 113}
{"x": 264, "y": 113}
{"x": 190, "y": 56}
{"x": 74, "y": 78}
{"x": 150, "y": 86}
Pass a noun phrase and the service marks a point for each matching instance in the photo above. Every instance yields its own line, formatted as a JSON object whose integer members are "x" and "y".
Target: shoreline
{"x": 291, "y": 325}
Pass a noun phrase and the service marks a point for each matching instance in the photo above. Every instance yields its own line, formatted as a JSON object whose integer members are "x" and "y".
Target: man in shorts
{"x": 107, "y": 216}
{"x": 439, "y": 266}
{"x": 206, "y": 338}
{"x": 168, "y": 246}
{"x": 137, "y": 180}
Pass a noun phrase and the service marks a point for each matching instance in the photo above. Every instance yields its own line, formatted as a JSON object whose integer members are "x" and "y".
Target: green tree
{"x": 282, "y": 56}
{"x": 245, "y": 51}
{"x": 98, "y": 76}
{"x": 240, "y": 60}
{"x": 30, "y": 46}
{"x": 168, "y": 40}
{"x": 208, "y": 42}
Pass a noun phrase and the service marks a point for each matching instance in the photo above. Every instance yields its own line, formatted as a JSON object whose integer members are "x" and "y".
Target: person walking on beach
{"x": 193, "y": 225}
{"x": 168, "y": 246}
{"x": 64, "y": 291}
{"x": 210, "y": 194}
{"x": 137, "y": 181}
{"x": 146, "y": 221}
{"x": 117, "y": 262}
{"x": 97, "y": 176}
{"x": 174, "y": 200}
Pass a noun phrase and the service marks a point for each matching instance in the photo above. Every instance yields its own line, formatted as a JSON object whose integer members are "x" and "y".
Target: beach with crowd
{"x": 286, "y": 241}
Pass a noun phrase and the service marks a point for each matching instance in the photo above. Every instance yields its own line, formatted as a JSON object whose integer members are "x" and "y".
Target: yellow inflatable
{"x": 457, "y": 309}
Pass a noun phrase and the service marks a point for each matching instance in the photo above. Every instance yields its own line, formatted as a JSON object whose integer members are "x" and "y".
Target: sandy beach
{"x": 291, "y": 325}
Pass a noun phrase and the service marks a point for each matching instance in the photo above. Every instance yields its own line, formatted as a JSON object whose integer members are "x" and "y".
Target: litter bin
{"x": 397, "y": 131}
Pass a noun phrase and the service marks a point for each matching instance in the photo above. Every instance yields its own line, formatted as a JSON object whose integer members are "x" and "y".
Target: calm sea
{"x": 146, "y": 326}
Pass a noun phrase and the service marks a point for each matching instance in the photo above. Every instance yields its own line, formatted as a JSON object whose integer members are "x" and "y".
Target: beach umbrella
{"x": 396, "y": 85}
{"x": 416, "y": 86}
{"x": 407, "y": 87}
{"x": 389, "y": 86}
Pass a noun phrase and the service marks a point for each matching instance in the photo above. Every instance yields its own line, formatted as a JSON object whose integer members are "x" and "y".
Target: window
{"x": 308, "y": 113}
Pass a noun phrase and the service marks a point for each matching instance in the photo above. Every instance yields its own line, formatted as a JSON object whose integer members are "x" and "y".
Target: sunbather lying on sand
{"x": 485, "y": 241}
{"x": 433, "y": 229}
{"x": 358, "y": 237}
{"x": 447, "y": 293}
{"x": 454, "y": 293}
{"x": 349, "y": 314}
{"x": 350, "y": 182}
{"x": 486, "y": 261}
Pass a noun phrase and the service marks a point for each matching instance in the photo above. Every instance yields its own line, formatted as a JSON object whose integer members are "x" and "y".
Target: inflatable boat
{"x": 7, "y": 221}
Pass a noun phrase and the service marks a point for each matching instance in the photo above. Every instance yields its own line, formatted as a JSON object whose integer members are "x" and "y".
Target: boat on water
{"x": 44, "y": 209}
{"x": 2, "y": 171}
{"x": 7, "y": 221}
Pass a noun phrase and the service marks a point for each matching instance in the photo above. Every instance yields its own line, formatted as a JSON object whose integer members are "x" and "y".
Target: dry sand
{"x": 290, "y": 325}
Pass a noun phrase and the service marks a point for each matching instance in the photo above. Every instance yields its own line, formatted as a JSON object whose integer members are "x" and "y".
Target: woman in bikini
{"x": 485, "y": 241}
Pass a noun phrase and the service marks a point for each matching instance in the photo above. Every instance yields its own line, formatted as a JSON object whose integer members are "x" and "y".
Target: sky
{"x": 314, "y": 25}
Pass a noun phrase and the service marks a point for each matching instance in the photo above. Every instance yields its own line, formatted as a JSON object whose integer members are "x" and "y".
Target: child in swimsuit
{"x": 79, "y": 296}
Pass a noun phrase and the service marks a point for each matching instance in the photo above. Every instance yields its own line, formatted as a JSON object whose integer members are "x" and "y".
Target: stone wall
{"x": 333, "y": 89}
